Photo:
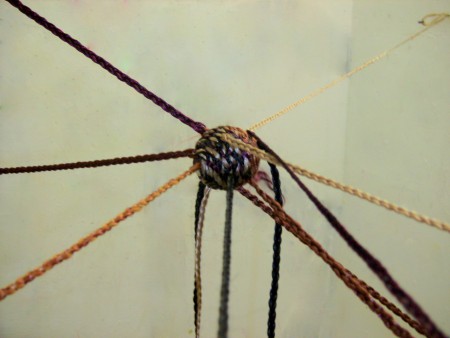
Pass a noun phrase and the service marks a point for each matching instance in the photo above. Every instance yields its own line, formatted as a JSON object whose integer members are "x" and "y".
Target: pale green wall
{"x": 232, "y": 62}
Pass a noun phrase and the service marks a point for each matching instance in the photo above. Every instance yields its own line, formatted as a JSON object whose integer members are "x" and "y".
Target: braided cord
{"x": 277, "y": 213}
{"x": 373, "y": 263}
{"x": 273, "y": 295}
{"x": 198, "y": 263}
{"x": 85, "y": 241}
{"x": 226, "y": 263}
{"x": 200, "y": 206}
{"x": 393, "y": 308}
{"x": 345, "y": 188}
{"x": 197, "y": 126}
{"x": 198, "y": 203}
{"x": 98, "y": 163}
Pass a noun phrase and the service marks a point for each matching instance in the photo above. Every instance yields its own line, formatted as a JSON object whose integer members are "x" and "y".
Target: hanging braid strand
{"x": 226, "y": 263}
{"x": 271, "y": 321}
{"x": 198, "y": 203}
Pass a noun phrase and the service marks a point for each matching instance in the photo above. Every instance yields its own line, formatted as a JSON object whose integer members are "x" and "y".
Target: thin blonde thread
{"x": 198, "y": 260}
{"x": 345, "y": 188}
{"x": 66, "y": 254}
{"x": 435, "y": 19}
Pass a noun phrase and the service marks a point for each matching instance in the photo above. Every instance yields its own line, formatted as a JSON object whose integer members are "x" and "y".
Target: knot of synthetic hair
{"x": 219, "y": 160}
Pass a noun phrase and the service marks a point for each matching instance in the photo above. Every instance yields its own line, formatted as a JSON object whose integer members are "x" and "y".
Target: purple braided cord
{"x": 197, "y": 126}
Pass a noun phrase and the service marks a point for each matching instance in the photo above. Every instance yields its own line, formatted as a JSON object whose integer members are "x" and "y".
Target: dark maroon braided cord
{"x": 373, "y": 263}
{"x": 197, "y": 126}
{"x": 98, "y": 163}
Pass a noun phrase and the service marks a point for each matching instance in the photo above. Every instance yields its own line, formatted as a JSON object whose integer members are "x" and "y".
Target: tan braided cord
{"x": 428, "y": 21}
{"x": 83, "y": 242}
{"x": 343, "y": 187}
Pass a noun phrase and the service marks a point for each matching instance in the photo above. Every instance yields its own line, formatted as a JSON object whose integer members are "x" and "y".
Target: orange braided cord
{"x": 83, "y": 242}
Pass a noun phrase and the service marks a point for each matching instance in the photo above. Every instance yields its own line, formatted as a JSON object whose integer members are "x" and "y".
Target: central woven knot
{"x": 219, "y": 160}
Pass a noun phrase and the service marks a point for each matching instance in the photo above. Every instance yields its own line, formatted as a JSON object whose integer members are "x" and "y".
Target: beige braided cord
{"x": 343, "y": 187}
{"x": 428, "y": 21}
{"x": 83, "y": 242}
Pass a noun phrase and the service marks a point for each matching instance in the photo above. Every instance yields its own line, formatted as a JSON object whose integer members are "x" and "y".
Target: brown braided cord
{"x": 277, "y": 213}
{"x": 99, "y": 163}
{"x": 394, "y": 309}
{"x": 375, "y": 294}
{"x": 346, "y": 188}
{"x": 83, "y": 242}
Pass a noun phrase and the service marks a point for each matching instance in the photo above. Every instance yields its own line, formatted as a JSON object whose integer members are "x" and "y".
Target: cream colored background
{"x": 233, "y": 62}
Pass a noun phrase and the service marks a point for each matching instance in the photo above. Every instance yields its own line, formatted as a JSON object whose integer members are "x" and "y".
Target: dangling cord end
{"x": 433, "y": 19}
{"x": 197, "y": 287}
{"x": 200, "y": 207}
{"x": 225, "y": 288}
{"x": 271, "y": 322}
